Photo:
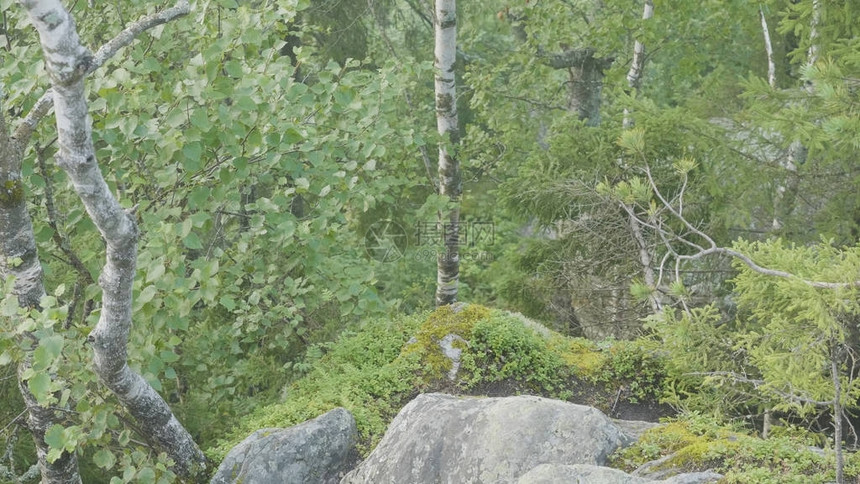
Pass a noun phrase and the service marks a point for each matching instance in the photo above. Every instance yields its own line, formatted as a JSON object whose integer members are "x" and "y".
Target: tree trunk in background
{"x": 585, "y": 81}
{"x": 837, "y": 410}
{"x": 786, "y": 192}
{"x": 67, "y": 63}
{"x": 448, "y": 262}
{"x": 18, "y": 242}
{"x": 646, "y": 255}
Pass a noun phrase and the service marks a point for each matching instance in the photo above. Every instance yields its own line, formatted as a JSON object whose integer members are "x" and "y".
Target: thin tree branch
{"x": 46, "y": 101}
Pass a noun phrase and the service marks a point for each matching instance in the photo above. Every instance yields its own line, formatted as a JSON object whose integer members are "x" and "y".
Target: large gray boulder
{"x": 315, "y": 452}
{"x": 443, "y": 439}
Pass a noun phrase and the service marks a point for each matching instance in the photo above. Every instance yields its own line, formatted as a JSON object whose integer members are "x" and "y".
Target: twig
{"x": 46, "y": 101}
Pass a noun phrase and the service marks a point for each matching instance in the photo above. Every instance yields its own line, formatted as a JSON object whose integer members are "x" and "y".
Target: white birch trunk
{"x": 18, "y": 242}
{"x": 634, "y": 81}
{"x": 814, "y": 48}
{"x": 68, "y": 62}
{"x": 768, "y": 47}
{"x": 797, "y": 153}
{"x": 634, "y": 75}
{"x": 448, "y": 263}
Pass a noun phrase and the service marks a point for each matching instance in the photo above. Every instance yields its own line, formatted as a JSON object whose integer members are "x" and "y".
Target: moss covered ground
{"x": 375, "y": 369}
{"x": 378, "y": 367}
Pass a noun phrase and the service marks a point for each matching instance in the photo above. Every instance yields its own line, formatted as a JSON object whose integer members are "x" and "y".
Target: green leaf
{"x": 56, "y": 437}
{"x": 49, "y": 349}
{"x": 10, "y": 306}
{"x": 192, "y": 241}
{"x": 228, "y": 302}
{"x": 200, "y": 120}
{"x": 168, "y": 357}
{"x": 40, "y": 385}
{"x": 192, "y": 152}
{"x": 104, "y": 459}
{"x": 292, "y": 136}
{"x": 146, "y": 476}
{"x": 156, "y": 270}
{"x": 146, "y": 295}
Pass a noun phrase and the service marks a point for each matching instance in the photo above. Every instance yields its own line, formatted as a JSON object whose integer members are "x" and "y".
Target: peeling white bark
{"x": 768, "y": 47}
{"x": 634, "y": 75}
{"x": 68, "y": 62}
{"x": 814, "y": 48}
{"x": 634, "y": 81}
{"x": 447, "y": 263}
{"x": 17, "y": 242}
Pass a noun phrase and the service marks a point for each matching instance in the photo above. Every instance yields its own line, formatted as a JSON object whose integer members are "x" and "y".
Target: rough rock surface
{"x": 589, "y": 474}
{"x": 316, "y": 451}
{"x": 443, "y": 439}
{"x": 694, "y": 478}
{"x": 579, "y": 473}
{"x": 634, "y": 429}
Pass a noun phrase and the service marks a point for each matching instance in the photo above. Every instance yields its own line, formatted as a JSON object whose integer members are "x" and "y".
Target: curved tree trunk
{"x": 448, "y": 263}
{"x": 67, "y": 63}
{"x": 18, "y": 242}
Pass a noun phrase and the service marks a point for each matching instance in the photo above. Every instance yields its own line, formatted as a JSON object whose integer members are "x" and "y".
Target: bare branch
{"x": 28, "y": 125}
{"x": 756, "y": 383}
{"x": 667, "y": 236}
{"x": 106, "y": 52}
{"x": 125, "y": 37}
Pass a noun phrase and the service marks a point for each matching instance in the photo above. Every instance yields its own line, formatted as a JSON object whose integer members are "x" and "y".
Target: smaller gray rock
{"x": 578, "y": 473}
{"x": 633, "y": 429}
{"x": 694, "y": 478}
{"x": 452, "y": 353}
{"x": 317, "y": 451}
{"x": 590, "y": 474}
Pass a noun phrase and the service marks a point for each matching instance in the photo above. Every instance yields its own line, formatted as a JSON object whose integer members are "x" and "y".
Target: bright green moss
{"x": 580, "y": 354}
{"x": 12, "y": 193}
{"x": 440, "y": 323}
{"x": 696, "y": 444}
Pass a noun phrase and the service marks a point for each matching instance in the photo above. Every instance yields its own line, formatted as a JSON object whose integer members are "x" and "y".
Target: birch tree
{"x": 634, "y": 80}
{"x": 68, "y": 63}
{"x": 18, "y": 259}
{"x": 448, "y": 262}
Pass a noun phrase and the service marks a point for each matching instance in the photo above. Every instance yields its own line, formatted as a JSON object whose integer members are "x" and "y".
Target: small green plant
{"x": 502, "y": 347}
{"x": 695, "y": 443}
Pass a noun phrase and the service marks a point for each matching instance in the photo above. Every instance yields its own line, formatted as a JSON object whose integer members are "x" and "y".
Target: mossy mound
{"x": 374, "y": 370}
{"x": 693, "y": 443}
